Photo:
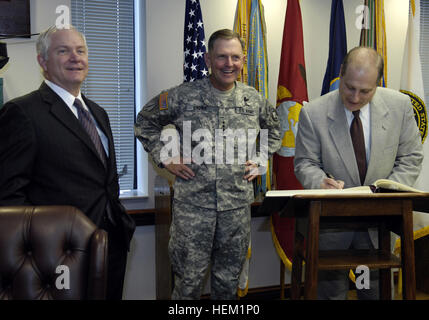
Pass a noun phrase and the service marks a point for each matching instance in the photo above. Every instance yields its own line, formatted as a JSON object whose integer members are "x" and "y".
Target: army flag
{"x": 257, "y": 63}
{"x": 412, "y": 85}
{"x": 291, "y": 93}
{"x": 337, "y": 47}
{"x": 257, "y": 69}
{"x": 373, "y": 32}
{"x": 250, "y": 25}
{"x": 241, "y": 26}
{"x": 194, "y": 43}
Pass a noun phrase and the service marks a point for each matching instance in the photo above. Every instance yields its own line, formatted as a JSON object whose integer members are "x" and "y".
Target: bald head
{"x": 364, "y": 58}
{"x": 360, "y": 73}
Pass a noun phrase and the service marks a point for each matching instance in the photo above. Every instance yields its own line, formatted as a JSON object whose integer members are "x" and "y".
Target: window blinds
{"x": 109, "y": 30}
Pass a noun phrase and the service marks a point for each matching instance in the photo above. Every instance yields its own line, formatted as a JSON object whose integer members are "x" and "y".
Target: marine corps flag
{"x": 194, "y": 43}
{"x": 412, "y": 85}
{"x": 337, "y": 47}
{"x": 291, "y": 93}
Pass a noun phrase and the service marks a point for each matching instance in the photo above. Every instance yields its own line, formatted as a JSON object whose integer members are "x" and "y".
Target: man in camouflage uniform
{"x": 212, "y": 197}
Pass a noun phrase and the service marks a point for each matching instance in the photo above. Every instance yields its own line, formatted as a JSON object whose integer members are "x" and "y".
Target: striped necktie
{"x": 88, "y": 124}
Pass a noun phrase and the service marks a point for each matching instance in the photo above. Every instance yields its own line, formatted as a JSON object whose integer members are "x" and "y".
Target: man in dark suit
{"x": 53, "y": 152}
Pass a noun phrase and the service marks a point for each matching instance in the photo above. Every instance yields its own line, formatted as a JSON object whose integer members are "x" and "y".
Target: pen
{"x": 329, "y": 175}
{"x": 338, "y": 184}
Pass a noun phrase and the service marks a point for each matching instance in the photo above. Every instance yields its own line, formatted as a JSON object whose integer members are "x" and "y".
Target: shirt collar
{"x": 364, "y": 113}
{"x": 67, "y": 97}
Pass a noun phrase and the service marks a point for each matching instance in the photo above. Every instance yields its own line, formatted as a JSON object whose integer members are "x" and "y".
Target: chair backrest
{"x": 51, "y": 252}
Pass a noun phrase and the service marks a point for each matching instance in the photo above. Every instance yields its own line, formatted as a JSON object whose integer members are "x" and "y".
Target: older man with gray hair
{"x": 56, "y": 148}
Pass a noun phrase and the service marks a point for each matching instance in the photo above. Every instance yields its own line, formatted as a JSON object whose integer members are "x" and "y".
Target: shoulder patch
{"x": 163, "y": 101}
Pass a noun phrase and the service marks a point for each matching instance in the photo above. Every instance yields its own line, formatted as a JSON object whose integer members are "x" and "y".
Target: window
{"x": 109, "y": 30}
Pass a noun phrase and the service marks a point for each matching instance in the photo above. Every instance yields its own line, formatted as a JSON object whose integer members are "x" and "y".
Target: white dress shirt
{"x": 364, "y": 116}
{"x": 68, "y": 99}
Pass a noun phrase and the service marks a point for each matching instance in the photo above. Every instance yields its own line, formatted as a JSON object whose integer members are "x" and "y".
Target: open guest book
{"x": 278, "y": 200}
{"x": 381, "y": 185}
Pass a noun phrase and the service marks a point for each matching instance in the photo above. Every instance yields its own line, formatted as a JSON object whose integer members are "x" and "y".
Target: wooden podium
{"x": 385, "y": 211}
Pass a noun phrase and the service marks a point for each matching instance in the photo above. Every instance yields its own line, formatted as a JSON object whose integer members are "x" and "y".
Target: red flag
{"x": 291, "y": 92}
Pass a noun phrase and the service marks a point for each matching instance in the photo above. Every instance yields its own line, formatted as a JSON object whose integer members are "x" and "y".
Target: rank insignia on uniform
{"x": 163, "y": 102}
{"x": 246, "y": 101}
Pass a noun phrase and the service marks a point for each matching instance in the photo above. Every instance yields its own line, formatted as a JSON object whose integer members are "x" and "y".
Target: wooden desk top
{"x": 345, "y": 204}
{"x": 351, "y": 196}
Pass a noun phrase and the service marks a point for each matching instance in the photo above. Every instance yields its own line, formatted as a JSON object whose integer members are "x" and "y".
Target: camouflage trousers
{"x": 200, "y": 237}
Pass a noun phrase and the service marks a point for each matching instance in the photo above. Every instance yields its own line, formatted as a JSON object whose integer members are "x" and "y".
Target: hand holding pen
{"x": 331, "y": 183}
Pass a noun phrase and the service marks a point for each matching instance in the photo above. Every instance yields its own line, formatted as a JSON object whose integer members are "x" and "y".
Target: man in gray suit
{"x": 392, "y": 148}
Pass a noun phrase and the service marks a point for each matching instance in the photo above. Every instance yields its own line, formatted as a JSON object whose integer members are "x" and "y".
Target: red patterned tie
{"x": 356, "y": 132}
{"x": 86, "y": 121}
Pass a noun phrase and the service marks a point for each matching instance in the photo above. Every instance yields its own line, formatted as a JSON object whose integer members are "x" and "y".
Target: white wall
{"x": 21, "y": 75}
{"x": 164, "y": 26}
{"x": 165, "y": 37}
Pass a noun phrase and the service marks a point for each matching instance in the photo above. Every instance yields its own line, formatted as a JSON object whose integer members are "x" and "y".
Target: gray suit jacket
{"x": 323, "y": 142}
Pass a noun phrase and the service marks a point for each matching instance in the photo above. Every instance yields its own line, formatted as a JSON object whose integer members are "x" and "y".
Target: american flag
{"x": 194, "y": 43}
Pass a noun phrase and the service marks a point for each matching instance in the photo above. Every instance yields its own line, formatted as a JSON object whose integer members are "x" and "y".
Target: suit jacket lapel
{"x": 60, "y": 111}
{"x": 340, "y": 134}
{"x": 379, "y": 128}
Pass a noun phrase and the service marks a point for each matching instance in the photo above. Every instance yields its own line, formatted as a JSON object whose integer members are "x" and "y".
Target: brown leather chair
{"x": 51, "y": 252}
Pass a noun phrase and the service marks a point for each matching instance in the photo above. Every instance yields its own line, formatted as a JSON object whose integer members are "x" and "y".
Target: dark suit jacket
{"x": 47, "y": 158}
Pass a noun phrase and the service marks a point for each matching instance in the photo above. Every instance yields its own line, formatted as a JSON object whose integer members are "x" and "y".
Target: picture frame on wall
{"x": 15, "y": 18}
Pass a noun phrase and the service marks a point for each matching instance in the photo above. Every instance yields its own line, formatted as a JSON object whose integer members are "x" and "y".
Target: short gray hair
{"x": 44, "y": 40}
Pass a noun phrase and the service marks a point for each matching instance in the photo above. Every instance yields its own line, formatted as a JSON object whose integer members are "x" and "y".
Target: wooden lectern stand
{"x": 385, "y": 211}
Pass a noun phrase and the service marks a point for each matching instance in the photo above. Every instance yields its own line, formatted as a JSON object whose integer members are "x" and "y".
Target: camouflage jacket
{"x": 192, "y": 106}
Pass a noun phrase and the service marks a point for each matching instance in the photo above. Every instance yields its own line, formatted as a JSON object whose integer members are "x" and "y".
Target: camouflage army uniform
{"x": 211, "y": 211}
